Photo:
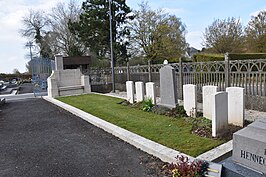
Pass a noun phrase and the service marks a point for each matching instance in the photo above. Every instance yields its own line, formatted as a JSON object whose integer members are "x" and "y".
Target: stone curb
{"x": 162, "y": 152}
{"x": 217, "y": 152}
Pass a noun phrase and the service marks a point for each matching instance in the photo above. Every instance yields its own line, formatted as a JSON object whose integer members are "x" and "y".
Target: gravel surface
{"x": 40, "y": 139}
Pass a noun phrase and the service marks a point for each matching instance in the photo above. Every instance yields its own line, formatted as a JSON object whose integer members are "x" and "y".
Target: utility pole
{"x": 111, "y": 46}
{"x": 30, "y": 45}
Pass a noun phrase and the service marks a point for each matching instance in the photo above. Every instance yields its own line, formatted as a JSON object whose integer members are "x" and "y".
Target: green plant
{"x": 147, "y": 105}
{"x": 185, "y": 168}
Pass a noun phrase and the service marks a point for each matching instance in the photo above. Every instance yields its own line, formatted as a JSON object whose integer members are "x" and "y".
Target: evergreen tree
{"x": 93, "y": 27}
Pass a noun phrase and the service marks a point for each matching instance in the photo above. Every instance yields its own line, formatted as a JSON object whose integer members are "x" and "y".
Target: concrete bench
{"x": 68, "y": 82}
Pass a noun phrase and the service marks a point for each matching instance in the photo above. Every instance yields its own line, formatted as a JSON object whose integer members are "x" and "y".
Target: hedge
{"x": 203, "y": 57}
{"x": 247, "y": 56}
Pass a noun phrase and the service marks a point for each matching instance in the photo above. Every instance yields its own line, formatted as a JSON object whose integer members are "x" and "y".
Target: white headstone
{"x": 150, "y": 91}
{"x": 59, "y": 62}
{"x": 190, "y": 99}
{"x": 220, "y": 114}
{"x": 130, "y": 91}
{"x": 139, "y": 86}
{"x": 207, "y": 100}
{"x": 236, "y": 106}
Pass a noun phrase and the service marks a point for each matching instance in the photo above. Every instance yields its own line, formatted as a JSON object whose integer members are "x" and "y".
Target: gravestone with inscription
{"x": 168, "y": 92}
{"x": 249, "y": 146}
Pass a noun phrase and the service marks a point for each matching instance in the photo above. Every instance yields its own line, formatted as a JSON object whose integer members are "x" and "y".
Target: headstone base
{"x": 232, "y": 169}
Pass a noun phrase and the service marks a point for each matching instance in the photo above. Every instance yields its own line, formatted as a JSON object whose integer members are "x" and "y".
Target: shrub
{"x": 147, "y": 105}
{"x": 185, "y": 168}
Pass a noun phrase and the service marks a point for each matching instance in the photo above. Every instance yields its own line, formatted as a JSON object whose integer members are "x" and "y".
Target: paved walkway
{"x": 40, "y": 139}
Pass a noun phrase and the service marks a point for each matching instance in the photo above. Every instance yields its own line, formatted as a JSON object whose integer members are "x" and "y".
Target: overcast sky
{"x": 195, "y": 14}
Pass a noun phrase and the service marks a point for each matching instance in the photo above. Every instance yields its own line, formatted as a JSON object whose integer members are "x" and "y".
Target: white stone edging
{"x": 217, "y": 152}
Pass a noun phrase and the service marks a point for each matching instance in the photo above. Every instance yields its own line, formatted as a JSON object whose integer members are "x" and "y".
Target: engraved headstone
{"x": 168, "y": 92}
{"x": 249, "y": 146}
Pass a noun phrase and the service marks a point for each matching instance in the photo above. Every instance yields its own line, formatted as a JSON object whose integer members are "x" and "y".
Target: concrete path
{"x": 40, "y": 139}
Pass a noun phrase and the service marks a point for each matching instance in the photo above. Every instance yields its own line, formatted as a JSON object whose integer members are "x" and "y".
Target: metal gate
{"x": 41, "y": 70}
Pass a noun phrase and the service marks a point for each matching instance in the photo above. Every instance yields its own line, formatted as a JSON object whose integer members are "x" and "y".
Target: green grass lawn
{"x": 171, "y": 132}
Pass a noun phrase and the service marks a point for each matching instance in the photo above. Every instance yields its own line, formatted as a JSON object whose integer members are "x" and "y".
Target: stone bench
{"x": 68, "y": 82}
{"x": 71, "y": 90}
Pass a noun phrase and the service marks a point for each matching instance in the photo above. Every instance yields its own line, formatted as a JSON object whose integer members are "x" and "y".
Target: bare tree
{"x": 256, "y": 33}
{"x": 224, "y": 35}
{"x": 34, "y": 25}
{"x": 50, "y": 32}
{"x": 35, "y": 28}
{"x": 157, "y": 34}
{"x": 64, "y": 40}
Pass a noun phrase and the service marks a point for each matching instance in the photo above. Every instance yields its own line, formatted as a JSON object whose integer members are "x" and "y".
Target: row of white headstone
{"x": 222, "y": 108}
{"x": 139, "y": 87}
